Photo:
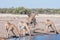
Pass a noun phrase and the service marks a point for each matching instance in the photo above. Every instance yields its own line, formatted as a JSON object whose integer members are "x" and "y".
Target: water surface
{"x": 39, "y": 37}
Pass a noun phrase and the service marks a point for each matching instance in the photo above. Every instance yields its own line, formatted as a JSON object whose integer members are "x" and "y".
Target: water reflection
{"x": 39, "y": 37}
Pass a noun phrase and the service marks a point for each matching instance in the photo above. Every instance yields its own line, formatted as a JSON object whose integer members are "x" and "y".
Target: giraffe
{"x": 2, "y": 39}
{"x": 51, "y": 25}
{"x": 23, "y": 27}
{"x": 10, "y": 27}
{"x": 31, "y": 19}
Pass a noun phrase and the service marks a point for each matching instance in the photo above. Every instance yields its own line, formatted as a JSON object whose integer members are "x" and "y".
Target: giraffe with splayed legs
{"x": 24, "y": 28}
{"x": 10, "y": 27}
{"x": 51, "y": 25}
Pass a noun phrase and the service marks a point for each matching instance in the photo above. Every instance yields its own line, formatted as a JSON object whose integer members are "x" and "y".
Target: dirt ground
{"x": 15, "y": 19}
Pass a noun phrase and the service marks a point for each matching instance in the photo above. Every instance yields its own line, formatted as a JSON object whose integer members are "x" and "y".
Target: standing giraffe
{"x": 32, "y": 19}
